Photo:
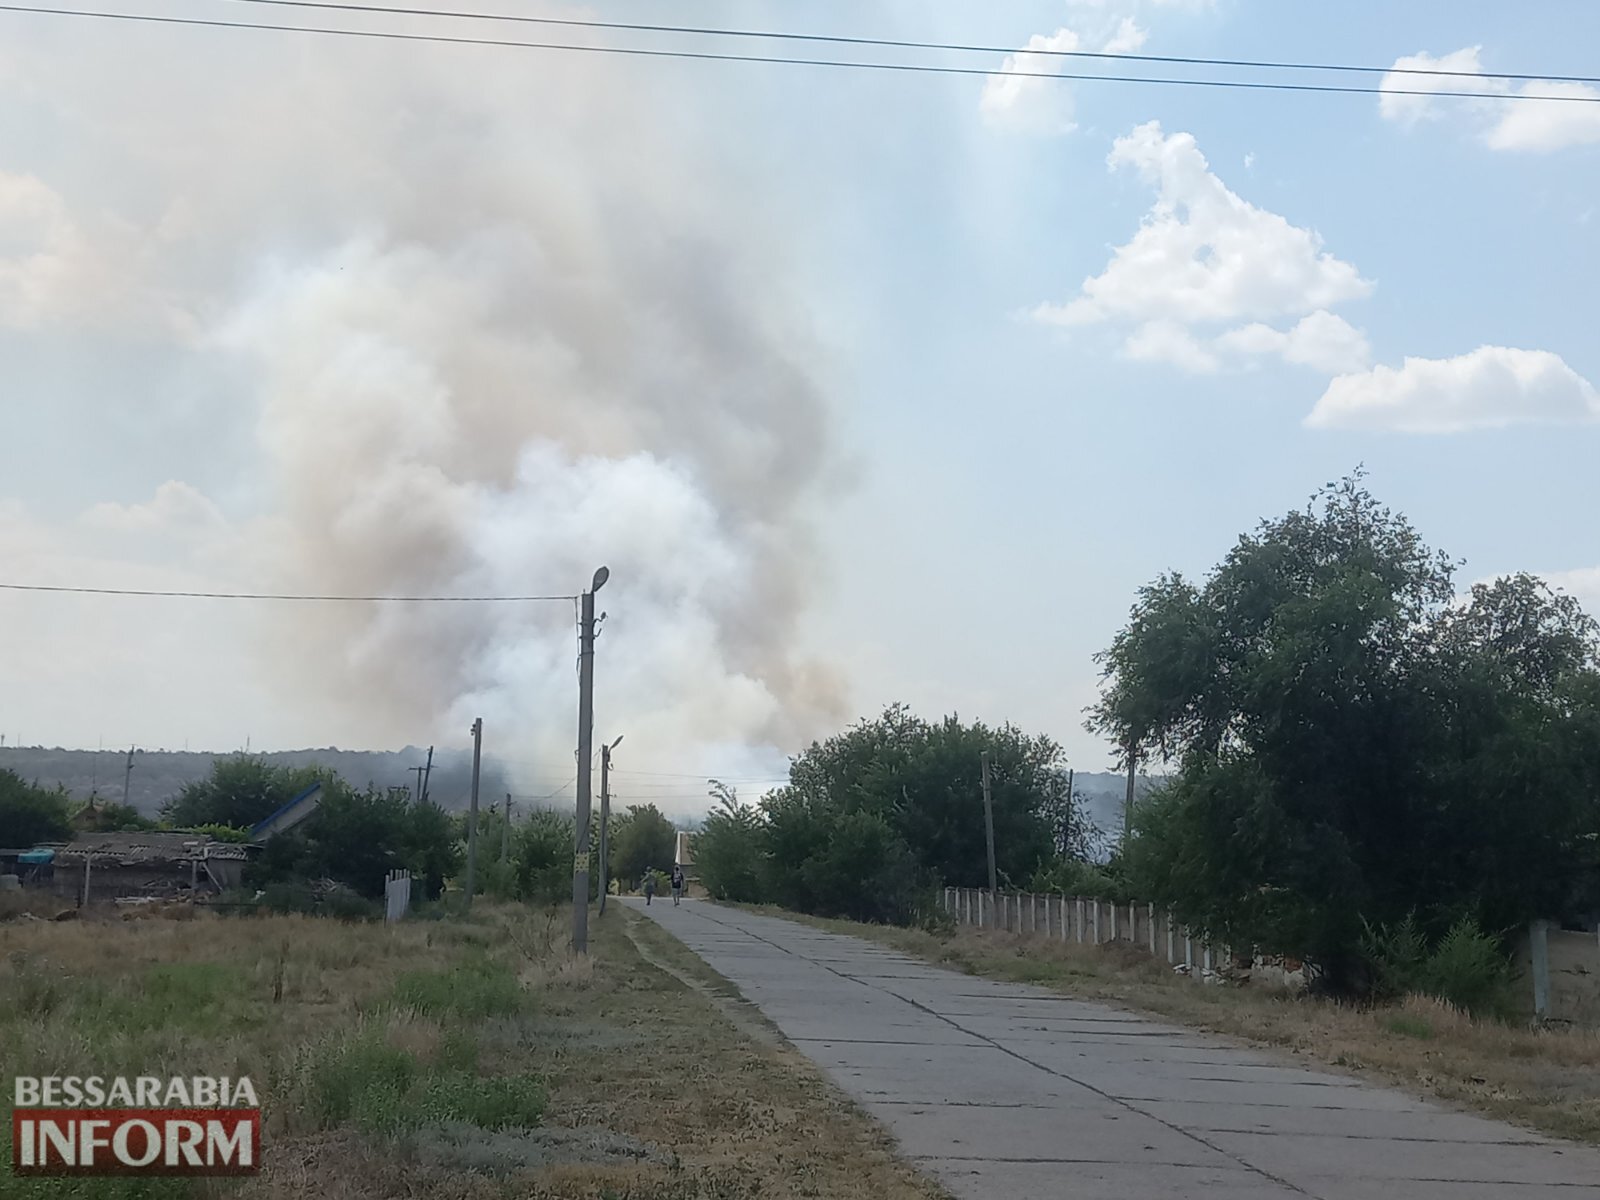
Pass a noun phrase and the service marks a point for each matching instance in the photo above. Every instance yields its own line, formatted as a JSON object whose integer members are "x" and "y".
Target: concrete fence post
{"x": 1170, "y": 959}
{"x": 1150, "y": 915}
{"x": 1113, "y": 920}
{"x": 1096, "y": 929}
{"x": 1539, "y": 954}
{"x": 1061, "y": 900}
{"x": 1188, "y": 949}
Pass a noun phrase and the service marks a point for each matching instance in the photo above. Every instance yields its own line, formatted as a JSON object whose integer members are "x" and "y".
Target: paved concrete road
{"x": 1014, "y": 1092}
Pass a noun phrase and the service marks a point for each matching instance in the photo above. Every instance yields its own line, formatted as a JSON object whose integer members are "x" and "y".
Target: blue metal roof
{"x": 269, "y": 819}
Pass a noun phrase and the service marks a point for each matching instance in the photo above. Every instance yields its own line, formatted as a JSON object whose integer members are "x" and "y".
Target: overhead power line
{"x": 94, "y": 591}
{"x": 845, "y": 64}
{"x": 901, "y": 44}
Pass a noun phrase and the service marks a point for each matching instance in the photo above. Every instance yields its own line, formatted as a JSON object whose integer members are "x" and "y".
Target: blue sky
{"x": 808, "y": 356}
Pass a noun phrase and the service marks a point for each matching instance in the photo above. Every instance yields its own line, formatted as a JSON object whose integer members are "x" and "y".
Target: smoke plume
{"x": 496, "y": 319}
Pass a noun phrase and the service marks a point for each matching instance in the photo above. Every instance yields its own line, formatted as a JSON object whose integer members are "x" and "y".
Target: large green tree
{"x": 1350, "y": 744}
{"x": 911, "y": 792}
{"x": 30, "y": 814}
{"x": 640, "y": 839}
{"x": 239, "y": 791}
{"x": 730, "y": 848}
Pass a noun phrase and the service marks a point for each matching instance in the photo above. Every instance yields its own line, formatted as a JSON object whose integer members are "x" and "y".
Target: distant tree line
{"x": 1359, "y": 757}
{"x": 873, "y": 820}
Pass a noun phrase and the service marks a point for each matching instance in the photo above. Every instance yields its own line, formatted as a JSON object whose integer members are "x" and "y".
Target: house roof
{"x": 157, "y": 846}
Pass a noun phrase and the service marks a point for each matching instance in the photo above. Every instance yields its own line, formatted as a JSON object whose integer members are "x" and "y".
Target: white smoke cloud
{"x": 502, "y": 321}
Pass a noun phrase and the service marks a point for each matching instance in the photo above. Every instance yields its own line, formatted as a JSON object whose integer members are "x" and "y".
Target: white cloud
{"x": 1203, "y": 253}
{"x": 176, "y": 509}
{"x": 1546, "y": 125}
{"x": 1581, "y": 582}
{"x": 1488, "y": 388}
{"x": 1014, "y": 98}
{"x": 1128, "y": 38}
{"x": 1408, "y": 110}
{"x": 1171, "y": 342}
{"x": 1321, "y": 340}
{"x": 1031, "y": 105}
{"x": 1522, "y": 121}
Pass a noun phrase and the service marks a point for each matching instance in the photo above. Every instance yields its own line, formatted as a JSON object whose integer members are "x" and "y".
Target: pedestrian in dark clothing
{"x": 649, "y": 886}
{"x": 677, "y": 883}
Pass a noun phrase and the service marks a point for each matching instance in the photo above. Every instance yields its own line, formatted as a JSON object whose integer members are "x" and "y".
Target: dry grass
{"x": 1547, "y": 1080}
{"x": 648, "y": 1088}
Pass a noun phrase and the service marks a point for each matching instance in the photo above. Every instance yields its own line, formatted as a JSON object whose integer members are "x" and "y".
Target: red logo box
{"x": 136, "y": 1141}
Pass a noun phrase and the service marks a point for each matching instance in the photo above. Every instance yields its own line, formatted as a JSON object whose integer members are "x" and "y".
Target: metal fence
{"x": 1086, "y": 921}
{"x": 396, "y": 895}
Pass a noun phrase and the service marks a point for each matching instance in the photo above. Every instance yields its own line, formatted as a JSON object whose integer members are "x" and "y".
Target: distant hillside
{"x": 1104, "y": 793}
{"x": 159, "y": 774}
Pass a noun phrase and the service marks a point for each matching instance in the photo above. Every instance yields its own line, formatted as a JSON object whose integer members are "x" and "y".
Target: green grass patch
{"x": 197, "y": 997}
{"x": 480, "y": 988}
{"x": 383, "y": 1089}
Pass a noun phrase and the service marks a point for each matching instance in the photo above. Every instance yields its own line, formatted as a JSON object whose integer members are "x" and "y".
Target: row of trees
{"x": 355, "y": 837}
{"x": 1351, "y": 746}
{"x": 875, "y": 818}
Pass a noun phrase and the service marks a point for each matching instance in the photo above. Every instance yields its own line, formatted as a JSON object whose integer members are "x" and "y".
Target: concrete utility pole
{"x": 505, "y": 831}
{"x": 417, "y": 794}
{"x": 127, "y": 777}
{"x": 427, "y": 774}
{"x": 580, "y": 857}
{"x": 605, "y": 820}
{"x": 472, "y": 813}
{"x": 988, "y": 827}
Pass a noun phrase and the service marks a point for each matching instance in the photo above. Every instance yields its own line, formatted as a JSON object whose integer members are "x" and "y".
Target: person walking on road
{"x": 677, "y": 883}
{"x": 649, "y": 886}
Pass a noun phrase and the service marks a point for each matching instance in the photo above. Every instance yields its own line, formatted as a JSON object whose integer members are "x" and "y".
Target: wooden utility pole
{"x": 417, "y": 794}
{"x": 427, "y": 774}
{"x": 472, "y": 813}
{"x": 127, "y": 777}
{"x": 988, "y": 827}
{"x": 580, "y": 856}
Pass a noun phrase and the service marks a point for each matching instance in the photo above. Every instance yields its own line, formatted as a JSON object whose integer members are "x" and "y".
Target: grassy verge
{"x": 462, "y": 1059}
{"x": 1544, "y": 1080}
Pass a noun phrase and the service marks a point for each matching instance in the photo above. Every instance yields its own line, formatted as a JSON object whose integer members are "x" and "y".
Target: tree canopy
{"x": 640, "y": 839}
{"x": 31, "y": 814}
{"x": 240, "y": 791}
{"x": 1352, "y": 744}
{"x": 873, "y": 818}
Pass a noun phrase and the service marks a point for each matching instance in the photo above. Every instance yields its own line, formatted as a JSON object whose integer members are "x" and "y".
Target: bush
{"x": 1467, "y": 968}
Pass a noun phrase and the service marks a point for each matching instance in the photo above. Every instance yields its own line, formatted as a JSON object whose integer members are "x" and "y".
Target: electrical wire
{"x": 94, "y": 591}
{"x": 709, "y": 56}
{"x": 899, "y": 44}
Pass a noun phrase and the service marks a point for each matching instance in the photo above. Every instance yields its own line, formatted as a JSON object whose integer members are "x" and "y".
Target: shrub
{"x": 1467, "y": 968}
